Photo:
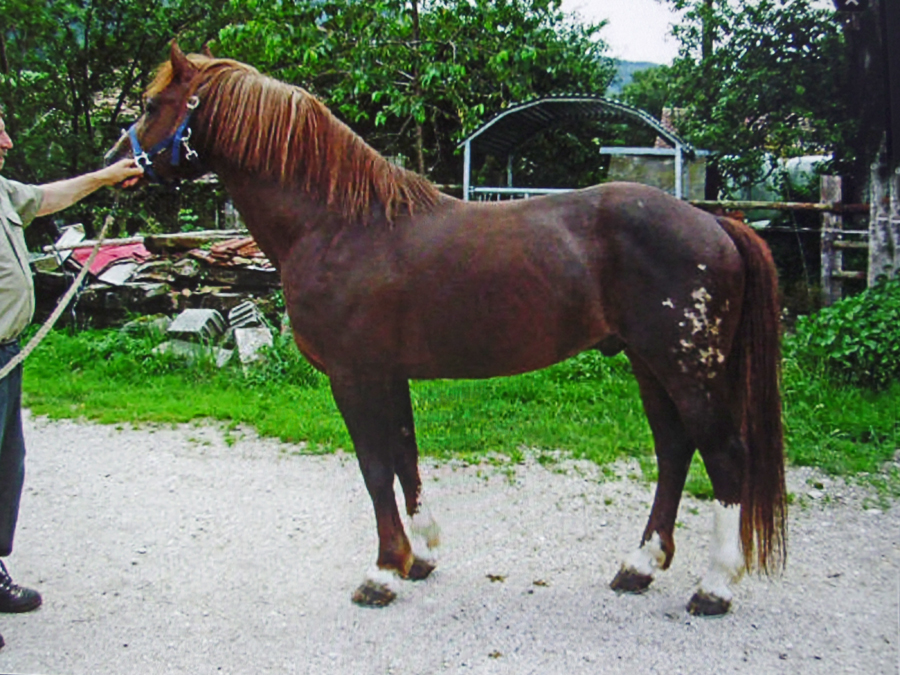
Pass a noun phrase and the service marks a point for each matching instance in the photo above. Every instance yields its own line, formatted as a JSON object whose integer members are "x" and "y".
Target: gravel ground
{"x": 192, "y": 550}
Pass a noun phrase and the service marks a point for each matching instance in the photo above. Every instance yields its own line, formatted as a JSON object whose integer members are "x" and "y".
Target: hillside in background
{"x": 625, "y": 71}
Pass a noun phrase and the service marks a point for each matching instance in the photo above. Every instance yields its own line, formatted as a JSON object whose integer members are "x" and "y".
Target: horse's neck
{"x": 277, "y": 216}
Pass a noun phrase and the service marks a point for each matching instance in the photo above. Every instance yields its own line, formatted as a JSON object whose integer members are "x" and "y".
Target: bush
{"x": 856, "y": 340}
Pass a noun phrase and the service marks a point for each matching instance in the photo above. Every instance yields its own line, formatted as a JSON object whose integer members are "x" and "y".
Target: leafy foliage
{"x": 754, "y": 78}
{"x": 415, "y": 78}
{"x": 856, "y": 340}
{"x": 70, "y": 77}
{"x": 651, "y": 89}
{"x": 71, "y": 69}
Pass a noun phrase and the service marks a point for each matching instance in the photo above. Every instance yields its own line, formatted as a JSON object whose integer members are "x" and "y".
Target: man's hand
{"x": 126, "y": 172}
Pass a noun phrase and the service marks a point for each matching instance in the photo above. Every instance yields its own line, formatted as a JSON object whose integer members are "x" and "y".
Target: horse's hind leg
{"x": 426, "y": 534}
{"x": 673, "y": 456}
{"x": 370, "y": 412}
{"x": 723, "y": 454}
{"x": 708, "y": 416}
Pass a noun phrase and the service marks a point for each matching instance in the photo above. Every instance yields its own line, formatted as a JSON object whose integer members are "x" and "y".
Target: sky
{"x": 638, "y": 30}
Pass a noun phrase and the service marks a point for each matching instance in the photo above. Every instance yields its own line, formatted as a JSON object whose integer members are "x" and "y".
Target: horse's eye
{"x": 151, "y": 106}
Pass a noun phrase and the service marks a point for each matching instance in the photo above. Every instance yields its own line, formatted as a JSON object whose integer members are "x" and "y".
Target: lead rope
{"x": 60, "y": 306}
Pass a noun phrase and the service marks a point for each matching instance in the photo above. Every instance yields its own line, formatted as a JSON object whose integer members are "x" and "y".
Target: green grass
{"x": 587, "y": 407}
{"x": 842, "y": 429}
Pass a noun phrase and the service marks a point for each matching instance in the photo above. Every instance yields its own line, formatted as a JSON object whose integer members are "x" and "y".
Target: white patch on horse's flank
{"x": 386, "y": 578}
{"x": 704, "y": 329}
{"x": 425, "y": 534}
{"x": 726, "y": 561}
{"x": 701, "y": 267}
{"x": 648, "y": 558}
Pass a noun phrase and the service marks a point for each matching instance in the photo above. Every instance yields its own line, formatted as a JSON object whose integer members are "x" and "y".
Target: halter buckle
{"x": 173, "y": 143}
{"x": 189, "y": 153}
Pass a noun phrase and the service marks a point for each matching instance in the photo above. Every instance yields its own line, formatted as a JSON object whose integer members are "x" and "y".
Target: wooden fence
{"x": 881, "y": 238}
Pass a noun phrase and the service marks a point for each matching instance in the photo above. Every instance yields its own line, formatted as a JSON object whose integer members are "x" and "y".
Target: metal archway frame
{"x": 509, "y": 129}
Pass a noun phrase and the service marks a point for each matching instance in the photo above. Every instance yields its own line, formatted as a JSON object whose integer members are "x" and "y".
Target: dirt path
{"x": 171, "y": 551}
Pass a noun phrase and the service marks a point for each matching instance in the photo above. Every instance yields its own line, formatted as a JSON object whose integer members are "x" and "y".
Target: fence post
{"x": 832, "y": 257}
{"x": 884, "y": 224}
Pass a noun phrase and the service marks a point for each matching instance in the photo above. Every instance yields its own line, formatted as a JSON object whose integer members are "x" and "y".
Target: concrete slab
{"x": 250, "y": 341}
{"x": 197, "y": 325}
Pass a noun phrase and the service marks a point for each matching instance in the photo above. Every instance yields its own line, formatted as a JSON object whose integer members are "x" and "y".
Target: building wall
{"x": 660, "y": 172}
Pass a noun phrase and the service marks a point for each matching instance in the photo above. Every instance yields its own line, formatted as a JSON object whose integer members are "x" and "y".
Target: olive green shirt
{"x": 19, "y": 203}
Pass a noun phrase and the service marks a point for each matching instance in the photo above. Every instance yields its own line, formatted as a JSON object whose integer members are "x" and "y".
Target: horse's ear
{"x": 206, "y": 51}
{"x": 182, "y": 68}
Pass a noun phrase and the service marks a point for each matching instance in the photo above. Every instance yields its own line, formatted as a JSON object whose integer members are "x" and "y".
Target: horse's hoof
{"x": 373, "y": 594}
{"x": 629, "y": 581}
{"x": 704, "y": 604}
{"x": 420, "y": 569}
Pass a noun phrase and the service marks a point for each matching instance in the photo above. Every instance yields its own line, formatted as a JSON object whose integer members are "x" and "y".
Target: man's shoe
{"x": 13, "y": 598}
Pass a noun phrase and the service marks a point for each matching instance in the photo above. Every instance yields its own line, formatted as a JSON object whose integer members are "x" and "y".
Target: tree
{"x": 755, "y": 79}
{"x": 71, "y": 71}
{"x": 415, "y": 78}
{"x": 71, "y": 75}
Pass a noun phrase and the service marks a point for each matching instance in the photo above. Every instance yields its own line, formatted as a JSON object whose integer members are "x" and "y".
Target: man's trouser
{"x": 12, "y": 448}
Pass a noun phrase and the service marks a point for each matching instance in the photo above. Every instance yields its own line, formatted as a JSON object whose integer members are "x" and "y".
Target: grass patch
{"x": 587, "y": 407}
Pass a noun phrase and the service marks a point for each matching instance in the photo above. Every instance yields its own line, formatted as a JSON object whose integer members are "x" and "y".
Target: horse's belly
{"x": 504, "y": 342}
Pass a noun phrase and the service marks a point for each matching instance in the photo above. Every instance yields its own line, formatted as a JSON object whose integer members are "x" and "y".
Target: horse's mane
{"x": 284, "y": 132}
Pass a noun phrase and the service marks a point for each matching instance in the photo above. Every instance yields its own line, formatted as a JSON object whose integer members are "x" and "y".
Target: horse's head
{"x": 161, "y": 139}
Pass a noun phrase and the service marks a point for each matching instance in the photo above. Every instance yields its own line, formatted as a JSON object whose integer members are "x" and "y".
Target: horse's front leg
{"x": 368, "y": 406}
{"x": 674, "y": 451}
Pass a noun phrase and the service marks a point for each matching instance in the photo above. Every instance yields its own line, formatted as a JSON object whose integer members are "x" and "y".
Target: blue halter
{"x": 173, "y": 143}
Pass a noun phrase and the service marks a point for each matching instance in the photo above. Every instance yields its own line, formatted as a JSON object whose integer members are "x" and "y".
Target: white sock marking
{"x": 648, "y": 558}
{"x": 726, "y": 561}
{"x": 425, "y": 534}
{"x": 382, "y": 577}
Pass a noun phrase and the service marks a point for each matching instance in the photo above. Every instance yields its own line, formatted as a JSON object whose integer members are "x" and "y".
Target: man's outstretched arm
{"x": 62, "y": 194}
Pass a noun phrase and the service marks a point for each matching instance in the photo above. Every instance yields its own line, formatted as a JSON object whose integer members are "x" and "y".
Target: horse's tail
{"x": 755, "y": 366}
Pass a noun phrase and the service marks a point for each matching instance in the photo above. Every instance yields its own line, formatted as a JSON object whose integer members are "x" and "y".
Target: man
{"x": 19, "y": 205}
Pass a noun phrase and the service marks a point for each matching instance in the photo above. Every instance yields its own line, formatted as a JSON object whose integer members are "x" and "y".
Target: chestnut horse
{"x": 386, "y": 279}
